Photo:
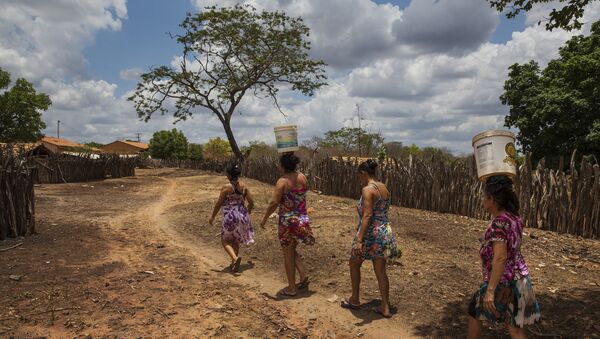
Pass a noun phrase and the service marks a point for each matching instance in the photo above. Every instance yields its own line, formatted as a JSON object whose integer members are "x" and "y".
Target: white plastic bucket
{"x": 495, "y": 154}
{"x": 287, "y": 138}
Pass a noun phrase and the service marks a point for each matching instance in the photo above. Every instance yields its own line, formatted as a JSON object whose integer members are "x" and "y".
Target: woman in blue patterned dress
{"x": 236, "y": 228}
{"x": 374, "y": 240}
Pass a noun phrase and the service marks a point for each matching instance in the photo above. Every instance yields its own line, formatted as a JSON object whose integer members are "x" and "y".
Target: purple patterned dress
{"x": 236, "y": 221}
{"x": 514, "y": 297}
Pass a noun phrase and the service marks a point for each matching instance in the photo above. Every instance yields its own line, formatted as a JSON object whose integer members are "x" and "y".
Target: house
{"x": 59, "y": 146}
{"x": 125, "y": 147}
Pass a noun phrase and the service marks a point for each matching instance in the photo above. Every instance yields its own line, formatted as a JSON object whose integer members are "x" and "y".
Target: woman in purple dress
{"x": 236, "y": 228}
{"x": 506, "y": 295}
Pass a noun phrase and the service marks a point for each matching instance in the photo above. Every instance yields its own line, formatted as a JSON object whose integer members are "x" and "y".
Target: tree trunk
{"x": 232, "y": 141}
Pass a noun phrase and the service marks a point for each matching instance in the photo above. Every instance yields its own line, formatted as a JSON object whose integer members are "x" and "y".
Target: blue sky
{"x": 427, "y": 72}
{"x": 143, "y": 40}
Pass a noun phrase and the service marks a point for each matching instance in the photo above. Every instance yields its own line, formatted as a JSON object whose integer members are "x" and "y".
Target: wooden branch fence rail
{"x": 17, "y": 202}
{"x": 561, "y": 201}
{"x": 19, "y": 173}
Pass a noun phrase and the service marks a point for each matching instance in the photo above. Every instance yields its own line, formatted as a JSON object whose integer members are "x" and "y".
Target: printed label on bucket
{"x": 287, "y": 139}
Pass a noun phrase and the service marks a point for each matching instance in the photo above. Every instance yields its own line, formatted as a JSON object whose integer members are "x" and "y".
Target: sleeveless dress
{"x": 514, "y": 296}
{"x": 293, "y": 218}
{"x": 378, "y": 241}
{"x": 236, "y": 220}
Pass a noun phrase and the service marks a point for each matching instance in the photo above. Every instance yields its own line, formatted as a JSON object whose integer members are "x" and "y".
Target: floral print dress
{"x": 378, "y": 241}
{"x": 514, "y": 296}
{"x": 236, "y": 220}
{"x": 293, "y": 218}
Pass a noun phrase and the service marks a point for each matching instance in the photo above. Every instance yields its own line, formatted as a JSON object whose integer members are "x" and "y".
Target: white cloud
{"x": 131, "y": 74}
{"x": 412, "y": 84}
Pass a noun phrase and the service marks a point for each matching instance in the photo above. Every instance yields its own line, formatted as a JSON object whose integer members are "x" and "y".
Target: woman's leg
{"x": 474, "y": 328}
{"x": 516, "y": 332}
{"x": 236, "y": 249}
{"x": 379, "y": 265}
{"x": 355, "y": 265}
{"x": 229, "y": 249}
{"x": 289, "y": 256}
{"x": 300, "y": 266}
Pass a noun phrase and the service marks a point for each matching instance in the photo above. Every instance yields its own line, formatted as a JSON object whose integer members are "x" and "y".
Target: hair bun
{"x": 372, "y": 163}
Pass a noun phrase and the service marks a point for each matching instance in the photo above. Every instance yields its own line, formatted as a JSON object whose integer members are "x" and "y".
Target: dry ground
{"x": 135, "y": 257}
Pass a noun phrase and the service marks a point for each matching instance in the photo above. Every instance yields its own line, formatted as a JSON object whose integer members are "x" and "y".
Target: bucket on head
{"x": 495, "y": 154}
{"x": 287, "y": 138}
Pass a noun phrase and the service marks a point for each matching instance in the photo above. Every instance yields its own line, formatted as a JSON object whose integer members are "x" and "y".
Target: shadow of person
{"x": 367, "y": 313}
{"x": 279, "y": 297}
{"x": 243, "y": 267}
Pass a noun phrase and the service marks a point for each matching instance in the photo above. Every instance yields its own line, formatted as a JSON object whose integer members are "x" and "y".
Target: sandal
{"x": 303, "y": 285}
{"x": 348, "y": 305}
{"x": 283, "y": 293}
{"x": 379, "y": 310}
{"x": 236, "y": 265}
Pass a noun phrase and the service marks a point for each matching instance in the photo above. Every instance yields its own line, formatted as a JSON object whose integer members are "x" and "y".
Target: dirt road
{"x": 135, "y": 257}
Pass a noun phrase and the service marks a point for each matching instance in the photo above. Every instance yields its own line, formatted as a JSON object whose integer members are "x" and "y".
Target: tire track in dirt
{"x": 266, "y": 284}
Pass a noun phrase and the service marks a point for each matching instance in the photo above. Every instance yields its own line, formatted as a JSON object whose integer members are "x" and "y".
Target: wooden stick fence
{"x": 17, "y": 202}
{"x": 565, "y": 202}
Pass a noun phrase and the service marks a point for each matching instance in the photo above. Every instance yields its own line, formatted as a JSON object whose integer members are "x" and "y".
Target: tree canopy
{"x": 566, "y": 16}
{"x": 353, "y": 141}
{"x": 21, "y": 109}
{"x": 557, "y": 109}
{"x": 217, "y": 148}
{"x": 227, "y": 53}
{"x": 196, "y": 151}
{"x": 169, "y": 145}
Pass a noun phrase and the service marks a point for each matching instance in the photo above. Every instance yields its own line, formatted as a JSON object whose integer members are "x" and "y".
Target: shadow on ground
{"x": 562, "y": 317}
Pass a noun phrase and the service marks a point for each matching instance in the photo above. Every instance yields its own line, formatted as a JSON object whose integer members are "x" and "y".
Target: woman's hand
{"x": 488, "y": 302}
{"x": 357, "y": 248}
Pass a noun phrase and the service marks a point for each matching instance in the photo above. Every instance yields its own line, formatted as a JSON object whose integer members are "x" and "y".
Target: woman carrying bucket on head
{"x": 236, "y": 228}
{"x": 506, "y": 295}
{"x": 290, "y": 196}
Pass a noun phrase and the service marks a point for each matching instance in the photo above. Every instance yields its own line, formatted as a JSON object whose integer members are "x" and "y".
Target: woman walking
{"x": 236, "y": 228}
{"x": 506, "y": 295}
{"x": 374, "y": 239}
{"x": 290, "y": 196}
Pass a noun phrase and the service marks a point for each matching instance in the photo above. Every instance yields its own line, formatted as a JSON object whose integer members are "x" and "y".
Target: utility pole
{"x": 138, "y": 136}
{"x": 359, "y": 130}
{"x": 58, "y": 130}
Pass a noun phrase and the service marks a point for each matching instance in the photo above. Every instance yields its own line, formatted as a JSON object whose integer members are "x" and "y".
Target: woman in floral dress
{"x": 374, "y": 239}
{"x": 294, "y": 227}
{"x": 236, "y": 228}
{"x": 506, "y": 295}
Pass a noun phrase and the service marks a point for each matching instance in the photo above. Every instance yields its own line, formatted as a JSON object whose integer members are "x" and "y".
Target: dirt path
{"x": 134, "y": 257}
{"x": 265, "y": 284}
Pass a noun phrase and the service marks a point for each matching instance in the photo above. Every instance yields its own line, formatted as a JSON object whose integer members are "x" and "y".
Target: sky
{"x": 428, "y": 72}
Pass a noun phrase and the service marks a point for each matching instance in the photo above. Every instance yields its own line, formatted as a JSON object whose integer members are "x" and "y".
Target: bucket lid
{"x": 285, "y": 126}
{"x": 492, "y": 133}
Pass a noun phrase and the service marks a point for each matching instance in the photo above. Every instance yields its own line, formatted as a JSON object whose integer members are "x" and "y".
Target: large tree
{"x": 169, "y": 145}
{"x": 227, "y": 53}
{"x": 557, "y": 109}
{"x": 21, "y": 109}
{"x": 567, "y": 15}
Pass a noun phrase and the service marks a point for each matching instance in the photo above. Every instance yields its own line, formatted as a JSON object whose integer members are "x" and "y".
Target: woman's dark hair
{"x": 233, "y": 170}
{"x": 369, "y": 167}
{"x": 501, "y": 188}
{"x": 289, "y": 162}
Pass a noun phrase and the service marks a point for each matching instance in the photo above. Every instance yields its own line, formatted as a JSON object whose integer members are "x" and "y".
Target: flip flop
{"x": 236, "y": 265}
{"x": 348, "y": 305}
{"x": 283, "y": 293}
{"x": 379, "y": 311}
{"x": 303, "y": 285}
